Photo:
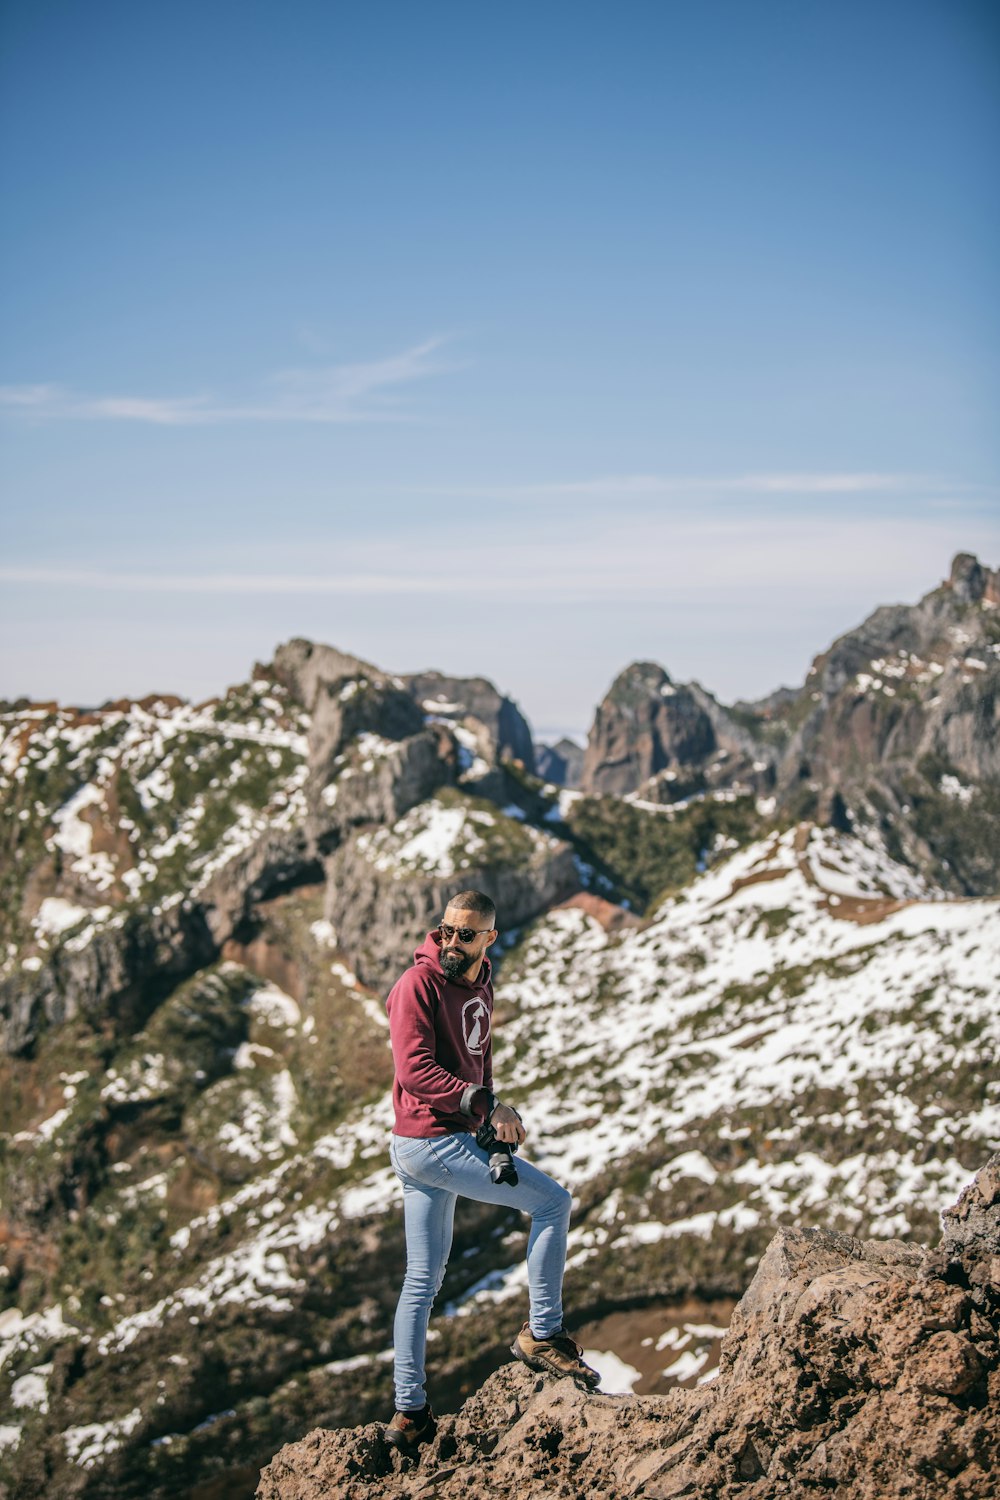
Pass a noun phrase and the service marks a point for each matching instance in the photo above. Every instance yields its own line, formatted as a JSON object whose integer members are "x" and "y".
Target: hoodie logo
{"x": 476, "y": 1024}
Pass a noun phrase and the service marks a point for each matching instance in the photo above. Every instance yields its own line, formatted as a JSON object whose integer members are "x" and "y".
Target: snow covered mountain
{"x": 788, "y": 1023}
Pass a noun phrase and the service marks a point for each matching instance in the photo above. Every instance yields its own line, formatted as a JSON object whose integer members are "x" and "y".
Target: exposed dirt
{"x": 611, "y": 917}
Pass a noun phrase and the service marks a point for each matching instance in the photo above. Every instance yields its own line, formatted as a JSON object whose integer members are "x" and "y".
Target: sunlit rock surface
{"x": 865, "y": 1369}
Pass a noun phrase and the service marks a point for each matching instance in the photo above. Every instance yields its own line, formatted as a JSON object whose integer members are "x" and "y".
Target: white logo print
{"x": 476, "y": 1024}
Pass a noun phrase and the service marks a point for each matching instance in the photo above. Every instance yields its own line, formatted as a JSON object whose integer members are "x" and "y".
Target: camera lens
{"x": 502, "y": 1168}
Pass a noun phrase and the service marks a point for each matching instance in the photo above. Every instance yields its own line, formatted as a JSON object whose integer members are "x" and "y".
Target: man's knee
{"x": 558, "y": 1205}
{"x": 424, "y": 1282}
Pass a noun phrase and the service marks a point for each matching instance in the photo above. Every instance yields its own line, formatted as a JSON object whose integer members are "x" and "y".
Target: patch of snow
{"x": 617, "y": 1378}
{"x": 272, "y": 1007}
{"x": 687, "y": 1164}
{"x": 953, "y": 788}
{"x": 146, "y": 1079}
{"x": 28, "y": 1332}
{"x": 686, "y": 1365}
{"x": 51, "y": 1127}
{"x": 74, "y": 836}
{"x": 56, "y": 915}
{"x": 247, "y": 1053}
{"x": 373, "y": 747}
{"x": 89, "y": 1445}
{"x": 32, "y": 1389}
{"x": 440, "y": 706}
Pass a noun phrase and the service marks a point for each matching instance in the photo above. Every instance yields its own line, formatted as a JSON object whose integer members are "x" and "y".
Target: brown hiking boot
{"x": 556, "y": 1355}
{"x": 408, "y": 1429}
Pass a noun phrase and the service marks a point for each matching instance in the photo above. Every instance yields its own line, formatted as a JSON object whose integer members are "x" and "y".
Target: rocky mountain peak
{"x": 897, "y": 724}
{"x": 641, "y": 680}
{"x": 971, "y": 582}
{"x": 561, "y": 763}
{"x": 644, "y": 725}
{"x": 305, "y": 667}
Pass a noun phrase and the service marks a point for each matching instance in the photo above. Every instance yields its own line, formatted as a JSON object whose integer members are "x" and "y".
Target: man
{"x": 440, "y": 1014}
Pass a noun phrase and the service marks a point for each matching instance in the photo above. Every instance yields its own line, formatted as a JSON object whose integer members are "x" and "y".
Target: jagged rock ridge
{"x": 897, "y": 726}
{"x": 866, "y": 1369}
{"x": 140, "y": 838}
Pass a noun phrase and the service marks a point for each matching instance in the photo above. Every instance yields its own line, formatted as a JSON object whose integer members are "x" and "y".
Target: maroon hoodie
{"x": 441, "y": 1045}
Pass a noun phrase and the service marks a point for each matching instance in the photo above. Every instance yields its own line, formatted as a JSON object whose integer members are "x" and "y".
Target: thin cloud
{"x": 127, "y": 581}
{"x": 654, "y": 486}
{"x": 703, "y": 562}
{"x": 366, "y": 391}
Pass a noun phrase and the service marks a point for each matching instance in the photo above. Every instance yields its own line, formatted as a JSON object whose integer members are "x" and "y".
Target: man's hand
{"x": 507, "y": 1125}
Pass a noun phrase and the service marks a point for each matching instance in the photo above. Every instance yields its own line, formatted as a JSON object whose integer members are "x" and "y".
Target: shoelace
{"x": 565, "y": 1344}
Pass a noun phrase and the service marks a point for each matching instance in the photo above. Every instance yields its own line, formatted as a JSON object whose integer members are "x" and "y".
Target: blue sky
{"x": 522, "y": 340}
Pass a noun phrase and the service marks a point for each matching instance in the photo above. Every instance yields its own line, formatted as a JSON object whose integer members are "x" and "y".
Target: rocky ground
{"x": 867, "y": 1369}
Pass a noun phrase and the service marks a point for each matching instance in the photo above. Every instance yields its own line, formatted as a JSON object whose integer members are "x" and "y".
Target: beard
{"x": 455, "y": 962}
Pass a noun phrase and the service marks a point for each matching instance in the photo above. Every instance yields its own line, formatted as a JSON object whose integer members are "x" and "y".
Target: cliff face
{"x": 645, "y": 725}
{"x": 475, "y": 704}
{"x": 869, "y": 1370}
{"x": 561, "y": 763}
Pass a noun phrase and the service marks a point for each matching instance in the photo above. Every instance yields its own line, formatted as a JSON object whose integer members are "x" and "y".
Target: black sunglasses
{"x": 464, "y": 934}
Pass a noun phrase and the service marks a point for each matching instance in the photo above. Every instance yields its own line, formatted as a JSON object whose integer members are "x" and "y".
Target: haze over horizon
{"x": 523, "y": 344}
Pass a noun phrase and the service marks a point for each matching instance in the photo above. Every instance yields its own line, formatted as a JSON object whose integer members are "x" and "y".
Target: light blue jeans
{"x": 435, "y": 1173}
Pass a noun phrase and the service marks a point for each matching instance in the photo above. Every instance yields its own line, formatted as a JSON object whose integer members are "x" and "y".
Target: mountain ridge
{"x": 719, "y": 1018}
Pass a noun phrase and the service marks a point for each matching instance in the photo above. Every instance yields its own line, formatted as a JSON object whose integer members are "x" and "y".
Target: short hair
{"x": 474, "y": 901}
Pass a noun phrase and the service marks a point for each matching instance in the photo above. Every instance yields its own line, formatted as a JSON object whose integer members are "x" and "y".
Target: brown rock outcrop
{"x": 866, "y": 1370}
{"x": 644, "y": 725}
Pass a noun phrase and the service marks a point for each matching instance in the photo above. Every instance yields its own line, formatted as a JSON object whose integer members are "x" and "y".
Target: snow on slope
{"x": 138, "y": 801}
{"x": 751, "y": 1045}
{"x": 844, "y": 1057}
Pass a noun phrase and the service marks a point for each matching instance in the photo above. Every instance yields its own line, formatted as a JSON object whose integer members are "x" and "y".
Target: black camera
{"x": 501, "y": 1154}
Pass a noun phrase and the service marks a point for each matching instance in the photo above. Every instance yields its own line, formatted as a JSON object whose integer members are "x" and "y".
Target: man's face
{"x": 456, "y": 956}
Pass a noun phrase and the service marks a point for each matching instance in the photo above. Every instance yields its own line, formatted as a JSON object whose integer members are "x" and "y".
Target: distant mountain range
{"x": 747, "y": 977}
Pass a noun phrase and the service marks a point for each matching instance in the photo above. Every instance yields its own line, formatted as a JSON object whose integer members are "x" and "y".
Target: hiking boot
{"x": 408, "y": 1429}
{"x": 556, "y": 1355}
